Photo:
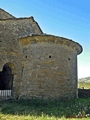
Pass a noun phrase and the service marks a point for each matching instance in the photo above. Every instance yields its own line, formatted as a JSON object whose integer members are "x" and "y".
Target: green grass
{"x": 85, "y": 85}
{"x": 43, "y": 110}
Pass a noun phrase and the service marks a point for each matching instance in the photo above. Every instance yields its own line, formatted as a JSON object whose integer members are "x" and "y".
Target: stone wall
{"x": 10, "y": 52}
{"x": 10, "y": 31}
{"x": 49, "y": 67}
{"x": 84, "y": 93}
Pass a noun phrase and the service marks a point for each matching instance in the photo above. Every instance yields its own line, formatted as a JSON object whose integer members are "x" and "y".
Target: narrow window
{"x": 26, "y": 56}
{"x": 69, "y": 59}
{"x": 49, "y": 56}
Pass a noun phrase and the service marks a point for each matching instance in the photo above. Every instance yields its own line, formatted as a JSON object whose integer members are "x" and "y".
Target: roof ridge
{"x": 5, "y": 14}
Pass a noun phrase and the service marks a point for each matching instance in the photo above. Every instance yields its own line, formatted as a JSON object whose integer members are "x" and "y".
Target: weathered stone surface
{"x": 43, "y": 66}
{"x": 5, "y": 15}
{"x": 50, "y": 68}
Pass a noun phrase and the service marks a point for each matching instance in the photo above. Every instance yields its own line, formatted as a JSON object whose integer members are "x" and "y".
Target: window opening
{"x": 68, "y": 58}
{"x": 49, "y": 56}
{"x": 6, "y": 78}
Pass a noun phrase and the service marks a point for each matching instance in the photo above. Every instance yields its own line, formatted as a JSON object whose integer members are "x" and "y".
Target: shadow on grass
{"x": 49, "y": 107}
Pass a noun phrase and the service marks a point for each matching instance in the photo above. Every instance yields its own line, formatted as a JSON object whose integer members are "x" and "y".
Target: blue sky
{"x": 66, "y": 18}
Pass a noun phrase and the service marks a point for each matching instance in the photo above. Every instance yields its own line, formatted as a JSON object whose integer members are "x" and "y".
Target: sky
{"x": 65, "y": 18}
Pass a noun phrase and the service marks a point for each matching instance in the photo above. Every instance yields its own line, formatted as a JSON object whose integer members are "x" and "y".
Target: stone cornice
{"x": 51, "y": 39}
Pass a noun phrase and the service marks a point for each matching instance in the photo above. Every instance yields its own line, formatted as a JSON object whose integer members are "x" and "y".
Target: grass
{"x": 84, "y": 85}
{"x": 44, "y": 110}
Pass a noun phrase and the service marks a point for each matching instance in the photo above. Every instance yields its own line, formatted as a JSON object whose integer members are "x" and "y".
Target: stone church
{"x": 34, "y": 64}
